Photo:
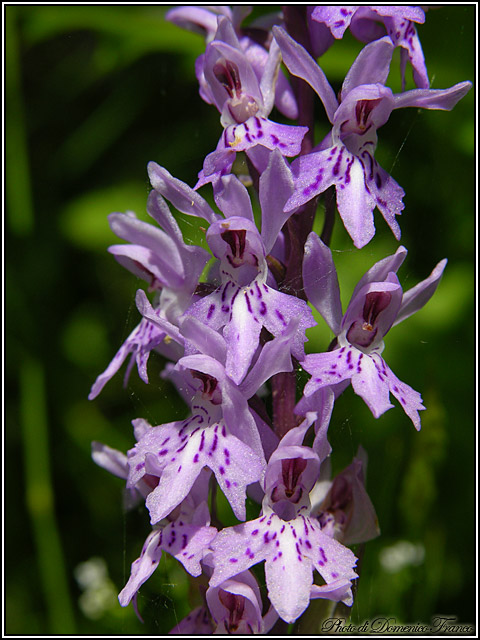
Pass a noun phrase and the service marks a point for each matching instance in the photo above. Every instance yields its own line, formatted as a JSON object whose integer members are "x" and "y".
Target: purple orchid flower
{"x": 222, "y": 433}
{"x": 229, "y": 81}
{"x": 172, "y": 269}
{"x": 368, "y": 23}
{"x": 236, "y": 606}
{"x": 287, "y": 537}
{"x": 377, "y": 304}
{"x": 245, "y": 302}
{"x": 342, "y": 505}
{"x": 247, "y": 299}
{"x": 345, "y": 158}
{"x": 204, "y": 20}
{"x": 186, "y": 536}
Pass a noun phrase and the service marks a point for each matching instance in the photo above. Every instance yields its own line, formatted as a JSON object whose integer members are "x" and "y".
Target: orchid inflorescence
{"x": 233, "y": 334}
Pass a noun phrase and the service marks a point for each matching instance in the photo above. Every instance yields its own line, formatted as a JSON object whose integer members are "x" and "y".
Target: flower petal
{"x": 371, "y": 66}
{"x": 444, "y": 99}
{"x": 321, "y": 282}
{"x": 276, "y": 186}
{"x": 301, "y": 64}
{"x": 416, "y": 297}
{"x": 179, "y": 194}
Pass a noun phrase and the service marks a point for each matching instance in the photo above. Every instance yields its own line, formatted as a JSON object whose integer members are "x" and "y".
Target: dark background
{"x": 92, "y": 94}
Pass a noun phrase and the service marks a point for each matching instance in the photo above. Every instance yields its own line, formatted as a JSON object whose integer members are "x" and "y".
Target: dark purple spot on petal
{"x": 249, "y": 306}
{"x": 210, "y": 311}
{"x": 336, "y": 168}
{"x": 214, "y": 444}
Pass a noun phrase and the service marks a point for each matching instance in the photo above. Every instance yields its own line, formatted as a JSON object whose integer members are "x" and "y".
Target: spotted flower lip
{"x": 377, "y": 304}
{"x": 346, "y": 158}
{"x": 186, "y": 537}
{"x": 177, "y": 452}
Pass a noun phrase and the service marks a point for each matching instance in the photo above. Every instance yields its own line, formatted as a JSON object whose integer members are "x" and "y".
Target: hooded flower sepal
{"x": 342, "y": 504}
{"x": 198, "y": 622}
{"x": 236, "y": 607}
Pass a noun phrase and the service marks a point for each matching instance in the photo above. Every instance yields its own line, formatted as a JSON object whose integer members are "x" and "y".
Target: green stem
{"x": 40, "y": 499}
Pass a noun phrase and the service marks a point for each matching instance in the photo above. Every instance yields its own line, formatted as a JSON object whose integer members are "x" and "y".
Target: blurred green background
{"x": 92, "y": 94}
